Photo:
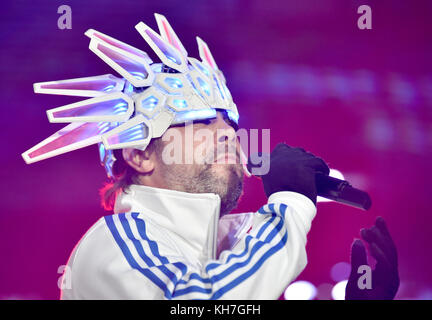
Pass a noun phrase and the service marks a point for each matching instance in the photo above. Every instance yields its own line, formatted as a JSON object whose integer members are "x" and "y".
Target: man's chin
{"x": 226, "y": 170}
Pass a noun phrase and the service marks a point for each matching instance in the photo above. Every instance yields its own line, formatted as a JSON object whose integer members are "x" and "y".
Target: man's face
{"x": 203, "y": 157}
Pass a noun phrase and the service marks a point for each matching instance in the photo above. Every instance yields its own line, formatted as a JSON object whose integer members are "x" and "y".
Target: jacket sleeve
{"x": 260, "y": 266}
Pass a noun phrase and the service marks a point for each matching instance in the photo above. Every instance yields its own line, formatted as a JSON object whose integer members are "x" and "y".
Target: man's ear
{"x": 139, "y": 160}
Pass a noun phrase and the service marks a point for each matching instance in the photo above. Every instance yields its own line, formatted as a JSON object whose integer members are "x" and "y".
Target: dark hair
{"x": 124, "y": 176}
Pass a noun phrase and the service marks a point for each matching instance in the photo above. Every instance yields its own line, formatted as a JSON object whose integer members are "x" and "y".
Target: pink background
{"x": 360, "y": 99}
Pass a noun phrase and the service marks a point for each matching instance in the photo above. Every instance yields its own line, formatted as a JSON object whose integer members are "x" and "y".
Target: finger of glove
{"x": 318, "y": 165}
{"x": 282, "y": 147}
{"x": 286, "y": 154}
{"x": 385, "y": 243}
{"x": 374, "y": 235}
{"x": 358, "y": 255}
{"x": 381, "y": 225}
{"x": 358, "y": 258}
{"x": 383, "y": 265}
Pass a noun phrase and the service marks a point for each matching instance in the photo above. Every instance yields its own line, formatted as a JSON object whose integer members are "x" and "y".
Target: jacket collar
{"x": 191, "y": 216}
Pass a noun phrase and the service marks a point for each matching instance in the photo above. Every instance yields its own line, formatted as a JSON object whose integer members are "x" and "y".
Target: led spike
{"x": 134, "y": 133}
{"x": 168, "y": 34}
{"x": 115, "y": 107}
{"x": 131, "y": 66}
{"x": 82, "y": 87}
{"x": 201, "y": 68}
{"x": 72, "y": 137}
{"x": 168, "y": 54}
{"x": 93, "y": 34}
{"x": 205, "y": 54}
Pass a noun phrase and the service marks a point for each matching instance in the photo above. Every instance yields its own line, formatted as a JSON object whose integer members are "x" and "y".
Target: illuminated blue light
{"x": 166, "y": 50}
{"x": 103, "y": 127}
{"x": 149, "y": 103}
{"x": 171, "y": 58}
{"x": 219, "y": 88}
{"x": 139, "y": 75}
{"x": 204, "y": 85}
{"x": 203, "y": 68}
{"x": 233, "y": 116}
{"x": 128, "y": 88}
{"x": 108, "y": 88}
{"x": 107, "y": 159}
{"x": 102, "y": 152}
{"x": 194, "y": 115}
{"x": 174, "y": 83}
{"x": 120, "y": 108}
{"x": 156, "y": 67}
{"x": 194, "y": 87}
{"x": 180, "y": 103}
{"x": 132, "y": 134}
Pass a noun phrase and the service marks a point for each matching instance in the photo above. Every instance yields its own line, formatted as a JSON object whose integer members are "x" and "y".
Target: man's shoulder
{"x": 114, "y": 235}
{"x": 95, "y": 241}
{"x": 108, "y": 247}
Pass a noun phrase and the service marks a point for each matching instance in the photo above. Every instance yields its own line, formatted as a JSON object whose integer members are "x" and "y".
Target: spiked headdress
{"x": 128, "y": 112}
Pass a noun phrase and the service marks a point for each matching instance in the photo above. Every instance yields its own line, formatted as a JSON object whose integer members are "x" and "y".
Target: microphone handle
{"x": 341, "y": 191}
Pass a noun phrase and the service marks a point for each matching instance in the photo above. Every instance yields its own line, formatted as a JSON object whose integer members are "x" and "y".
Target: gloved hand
{"x": 292, "y": 169}
{"x": 385, "y": 276}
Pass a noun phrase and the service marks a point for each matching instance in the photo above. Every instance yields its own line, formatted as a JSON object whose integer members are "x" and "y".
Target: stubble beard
{"x": 204, "y": 179}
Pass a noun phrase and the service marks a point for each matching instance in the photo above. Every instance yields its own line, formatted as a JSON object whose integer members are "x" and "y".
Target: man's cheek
{"x": 204, "y": 148}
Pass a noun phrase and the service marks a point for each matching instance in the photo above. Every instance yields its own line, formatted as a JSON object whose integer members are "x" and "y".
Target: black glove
{"x": 292, "y": 169}
{"x": 385, "y": 276}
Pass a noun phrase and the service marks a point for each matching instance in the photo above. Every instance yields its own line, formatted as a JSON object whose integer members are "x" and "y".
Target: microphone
{"x": 337, "y": 190}
{"x": 341, "y": 191}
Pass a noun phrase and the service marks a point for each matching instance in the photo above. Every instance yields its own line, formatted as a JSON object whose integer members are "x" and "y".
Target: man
{"x": 171, "y": 235}
{"x": 166, "y": 240}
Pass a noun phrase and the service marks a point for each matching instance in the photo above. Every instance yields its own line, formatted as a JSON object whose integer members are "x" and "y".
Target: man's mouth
{"x": 228, "y": 158}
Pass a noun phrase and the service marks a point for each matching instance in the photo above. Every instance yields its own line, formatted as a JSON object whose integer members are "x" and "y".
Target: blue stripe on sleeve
{"x": 141, "y": 226}
{"x": 130, "y": 259}
{"x": 251, "y": 271}
{"x": 282, "y": 209}
{"x": 224, "y": 274}
{"x": 260, "y": 232}
{"x": 136, "y": 242}
{"x": 125, "y": 223}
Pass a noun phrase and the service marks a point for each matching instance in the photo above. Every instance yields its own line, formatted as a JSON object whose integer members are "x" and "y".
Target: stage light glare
{"x": 335, "y": 174}
{"x": 300, "y": 290}
{"x": 338, "y": 291}
{"x": 340, "y": 271}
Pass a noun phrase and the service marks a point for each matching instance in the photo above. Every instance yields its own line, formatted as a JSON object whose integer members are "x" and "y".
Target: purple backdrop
{"x": 361, "y": 99}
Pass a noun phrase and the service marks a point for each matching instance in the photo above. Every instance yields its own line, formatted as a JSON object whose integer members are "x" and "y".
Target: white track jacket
{"x": 163, "y": 244}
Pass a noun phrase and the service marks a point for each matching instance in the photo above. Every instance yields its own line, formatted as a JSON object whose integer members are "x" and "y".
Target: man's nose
{"x": 225, "y": 133}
